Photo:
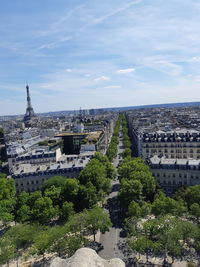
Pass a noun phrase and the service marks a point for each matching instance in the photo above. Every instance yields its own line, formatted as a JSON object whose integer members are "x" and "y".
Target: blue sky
{"x": 92, "y": 53}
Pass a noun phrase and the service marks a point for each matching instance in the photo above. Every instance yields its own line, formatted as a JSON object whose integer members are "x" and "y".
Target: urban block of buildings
{"x": 169, "y": 141}
{"x": 38, "y": 147}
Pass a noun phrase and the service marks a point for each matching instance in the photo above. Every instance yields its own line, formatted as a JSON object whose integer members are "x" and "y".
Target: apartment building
{"x": 171, "y": 174}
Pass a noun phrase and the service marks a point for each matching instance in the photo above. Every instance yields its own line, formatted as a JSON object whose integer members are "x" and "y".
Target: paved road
{"x": 113, "y": 241}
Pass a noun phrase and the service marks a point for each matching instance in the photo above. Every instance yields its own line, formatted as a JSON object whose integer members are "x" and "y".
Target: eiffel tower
{"x": 29, "y": 110}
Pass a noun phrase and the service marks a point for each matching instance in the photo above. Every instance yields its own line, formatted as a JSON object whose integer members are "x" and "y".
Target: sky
{"x": 98, "y": 53}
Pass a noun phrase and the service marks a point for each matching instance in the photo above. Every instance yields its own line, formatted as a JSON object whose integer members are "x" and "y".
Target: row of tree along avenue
{"x": 59, "y": 217}
{"x": 158, "y": 225}
{"x": 112, "y": 149}
{"x": 126, "y": 139}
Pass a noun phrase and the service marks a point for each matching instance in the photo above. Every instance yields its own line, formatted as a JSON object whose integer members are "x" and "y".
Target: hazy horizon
{"x": 114, "y": 107}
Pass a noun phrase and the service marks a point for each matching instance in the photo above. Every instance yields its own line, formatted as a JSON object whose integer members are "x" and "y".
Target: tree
{"x": 7, "y": 250}
{"x": 145, "y": 208}
{"x": 130, "y": 165}
{"x": 127, "y": 152}
{"x": 57, "y": 181}
{"x": 77, "y": 224}
{"x": 54, "y": 193}
{"x": 192, "y": 195}
{"x": 163, "y": 235}
{"x": 42, "y": 243}
{"x": 130, "y": 190}
{"x": 142, "y": 245}
{"x": 23, "y": 209}
{"x": 87, "y": 197}
{"x": 5, "y": 217}
{"x": 23, "y": 214}
{"x": 6, "y": 210}
{"x": 23, "y": 199}
{"x": 7, "y": 189}
{"x": 147, "y": 181}
{"x": 134, "y": 209}
{"x": 131, "y": 226}
{"x": 74, "y": 243}
{"x": 167, "y": 205}
{"x": 21, "y": 236}
{"x": 97, "y": 219}
{"x": 110, "y": 170}
{"x": 33, "y": 198}
{"x": 43, "y": 210}
{"x": 67, "y": 210}
{"x": 95, "y": 173}
{"x": 70, "y": 190}
{"x": 195, "y": 211}
{"x": 112, "y": 149}
{"x": 64, "y": 242}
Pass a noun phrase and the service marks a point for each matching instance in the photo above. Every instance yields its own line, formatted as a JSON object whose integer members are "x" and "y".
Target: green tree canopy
{"x": 70, "y": 190}
{"x": 97, "y": 219}
{"x": 43, "y": 210}
{"x": 148, "y": 182}
{"x": 130, "y": 190}
{"x": 95, "y": 173}
{"x": 67, "y": 210}
{"x": 167, "y": 205}
{"x": 7, "y": 189}
{"x": 57, "y": 181}
{"x": 192, "y": 195}
{"x": 129, "y": 165}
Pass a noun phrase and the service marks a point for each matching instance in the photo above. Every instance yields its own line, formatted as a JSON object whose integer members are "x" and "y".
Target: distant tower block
{"x": 30, "y": 115}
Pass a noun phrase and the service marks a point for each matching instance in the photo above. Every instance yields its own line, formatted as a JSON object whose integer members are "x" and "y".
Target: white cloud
{"x": 102, "y": 78}
{"x": 68, "y": 70}
{"x": 115, "y": 12}
{"x": 125, "y": 71}
{"x": 195, "y": 59}
{"x": 112, "y": 87}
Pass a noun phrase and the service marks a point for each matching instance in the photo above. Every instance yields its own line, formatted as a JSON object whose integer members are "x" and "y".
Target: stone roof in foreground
{"x": 86, "y": 257}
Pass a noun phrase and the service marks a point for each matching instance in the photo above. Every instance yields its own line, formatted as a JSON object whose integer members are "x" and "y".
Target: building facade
{"x": 172, "y": 174}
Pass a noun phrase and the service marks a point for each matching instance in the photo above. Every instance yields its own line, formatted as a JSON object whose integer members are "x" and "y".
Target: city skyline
{"x": 91, "y": 54}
